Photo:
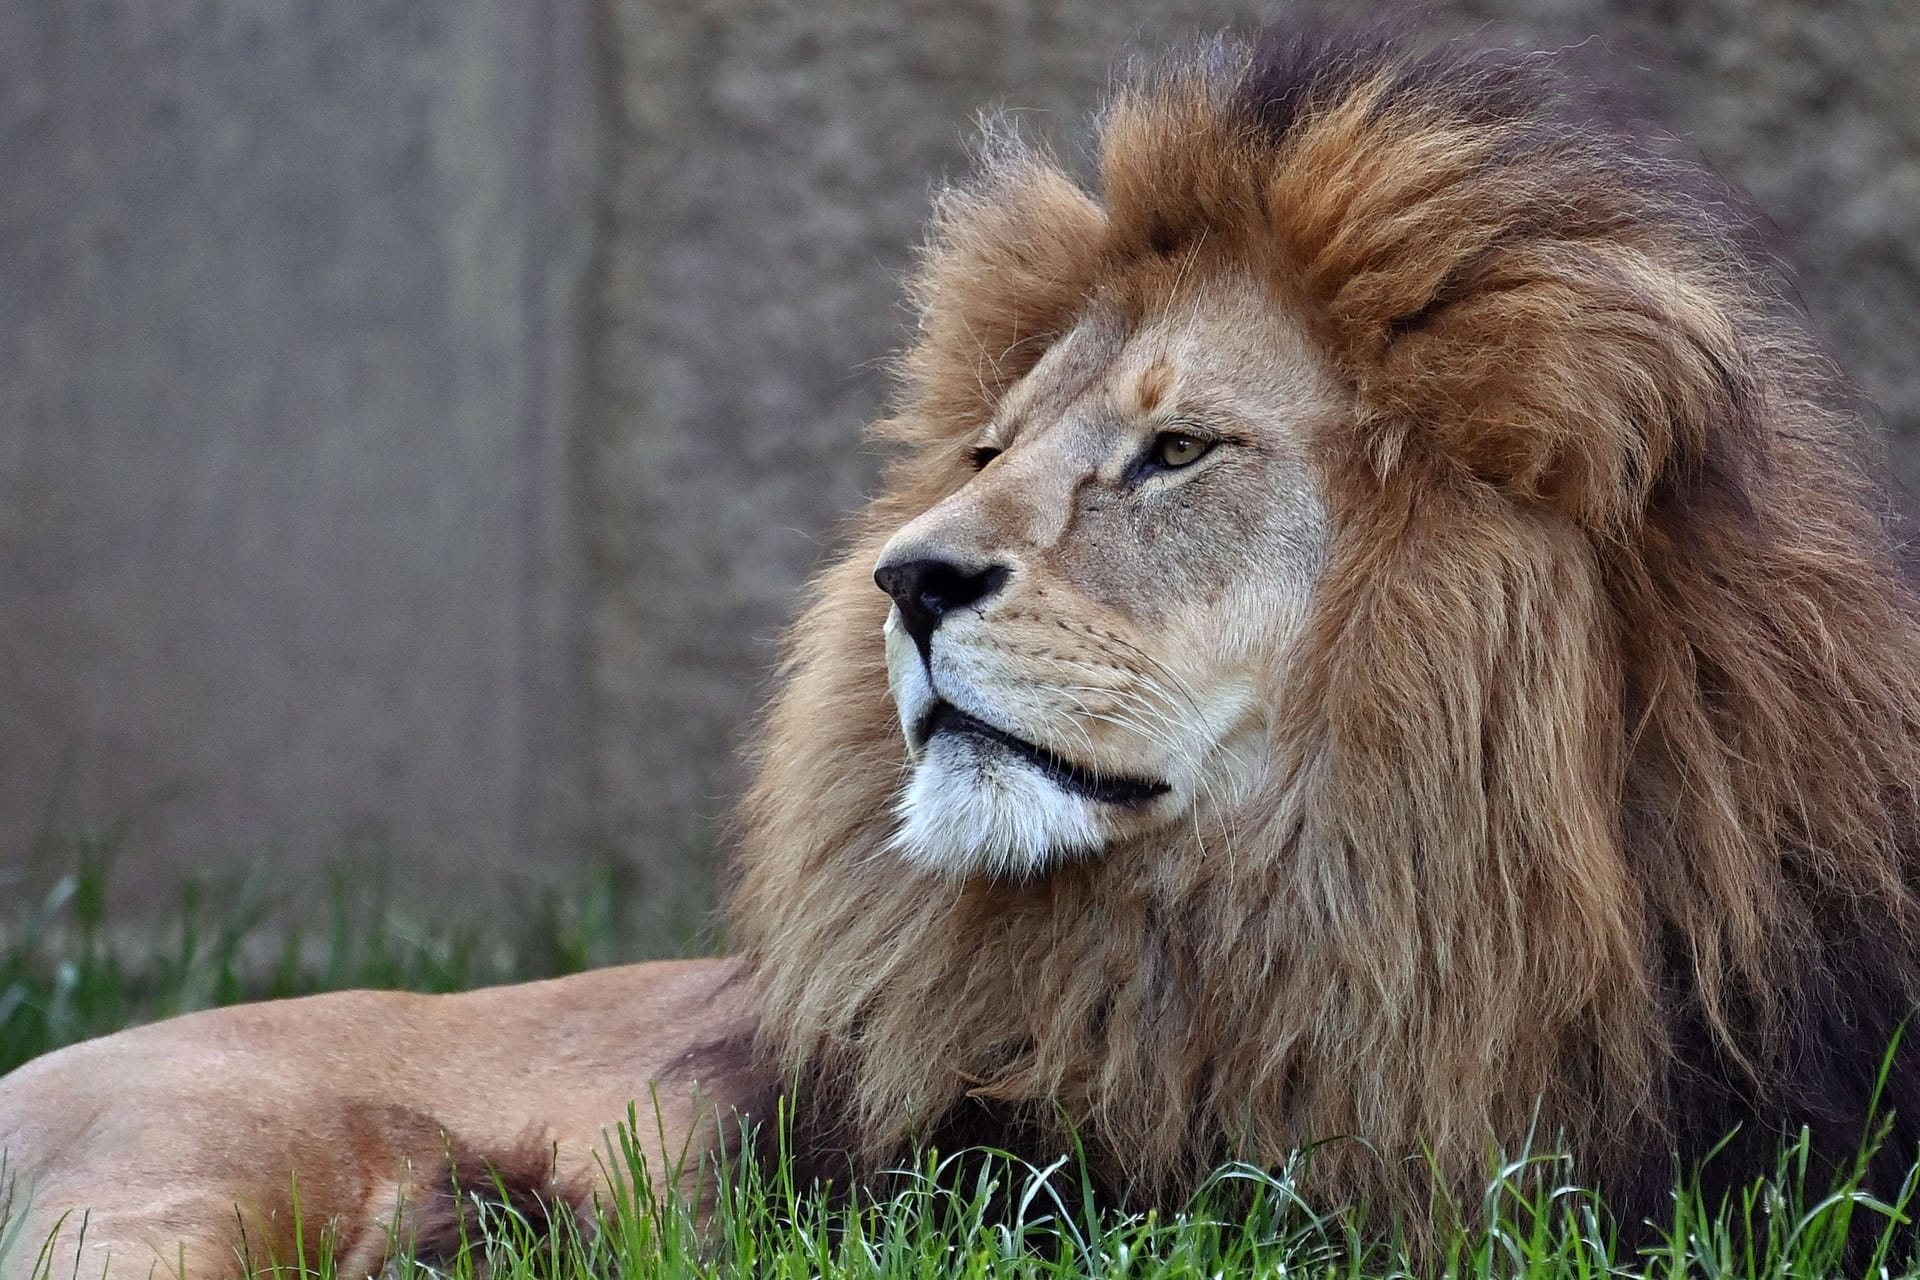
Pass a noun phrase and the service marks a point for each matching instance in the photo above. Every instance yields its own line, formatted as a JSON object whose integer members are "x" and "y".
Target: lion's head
{"x": 1383, "y": 634}
{"x": 1089, "y": 636}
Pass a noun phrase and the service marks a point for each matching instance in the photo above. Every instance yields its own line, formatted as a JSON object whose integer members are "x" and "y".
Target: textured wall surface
{"x": 419, "y": 417}
{"x": 281, "y": 442}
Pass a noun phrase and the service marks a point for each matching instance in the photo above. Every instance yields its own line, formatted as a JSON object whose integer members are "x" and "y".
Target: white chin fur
{"x": 972, "y": 809}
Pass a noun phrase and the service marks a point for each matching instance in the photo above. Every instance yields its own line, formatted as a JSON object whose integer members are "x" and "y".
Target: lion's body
{"x": 190, "y": 1139}
{"x": 1391, "y": 640}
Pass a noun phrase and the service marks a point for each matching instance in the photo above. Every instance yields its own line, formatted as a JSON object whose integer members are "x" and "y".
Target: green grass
{"x": 67, "y": 972}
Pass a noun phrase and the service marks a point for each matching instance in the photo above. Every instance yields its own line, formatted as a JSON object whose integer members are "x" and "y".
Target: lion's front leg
{"x": 250, "y": 1133}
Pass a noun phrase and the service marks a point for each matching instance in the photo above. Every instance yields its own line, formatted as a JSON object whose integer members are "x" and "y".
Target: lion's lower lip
{"x": 1076, "y": 779}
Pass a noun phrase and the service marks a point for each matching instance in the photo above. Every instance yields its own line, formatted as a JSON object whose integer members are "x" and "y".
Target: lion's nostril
{"x": 927, "y": 590}
{"x": 944, "y": 587}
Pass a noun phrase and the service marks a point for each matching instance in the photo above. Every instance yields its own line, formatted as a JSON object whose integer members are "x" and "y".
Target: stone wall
{"x": 417, "y": 418}
{"x": 286, "y": 368}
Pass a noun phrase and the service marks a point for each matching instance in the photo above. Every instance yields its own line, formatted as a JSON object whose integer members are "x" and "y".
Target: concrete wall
{"x": 285, "y": 362}
{"x": 417, "y": 418}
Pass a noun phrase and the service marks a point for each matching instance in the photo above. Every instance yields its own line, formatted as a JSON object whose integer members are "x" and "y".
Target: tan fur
{"x": 1609, "y": 658}
{"x": 187, "y": 1141}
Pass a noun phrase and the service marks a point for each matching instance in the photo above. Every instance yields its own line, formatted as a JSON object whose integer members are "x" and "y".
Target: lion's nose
{"x": 927, "y": 590}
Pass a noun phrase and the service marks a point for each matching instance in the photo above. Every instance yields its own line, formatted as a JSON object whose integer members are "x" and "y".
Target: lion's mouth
{"x": 944, "y": 717}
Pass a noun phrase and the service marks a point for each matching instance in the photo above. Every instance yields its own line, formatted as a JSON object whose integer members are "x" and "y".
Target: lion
{"x": 1393, "y": 635}
{"x": 1380, "y": 631}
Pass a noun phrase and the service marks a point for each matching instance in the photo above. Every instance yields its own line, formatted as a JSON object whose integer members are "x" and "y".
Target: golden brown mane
{"x": 1596, "y": 789}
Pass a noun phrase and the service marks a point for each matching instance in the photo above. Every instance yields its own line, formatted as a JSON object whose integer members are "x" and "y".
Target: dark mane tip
{"x": 1295, "y": 67}
{"x": 465, "y": 1206}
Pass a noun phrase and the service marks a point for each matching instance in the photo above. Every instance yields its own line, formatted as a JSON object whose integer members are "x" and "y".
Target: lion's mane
{"x": 1592, "y": 804}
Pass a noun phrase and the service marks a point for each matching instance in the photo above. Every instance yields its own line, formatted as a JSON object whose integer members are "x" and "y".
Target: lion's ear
{"x": 1008, "y": 263}
{"x": 1587, "y": 376}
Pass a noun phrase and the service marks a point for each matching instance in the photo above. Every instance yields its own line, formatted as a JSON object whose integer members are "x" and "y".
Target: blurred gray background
{"x": 416, "y": 417}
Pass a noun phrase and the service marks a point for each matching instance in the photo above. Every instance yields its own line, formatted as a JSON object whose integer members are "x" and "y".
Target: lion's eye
{"x": 1177, "y": 449}
{"x": 979, "y": 456}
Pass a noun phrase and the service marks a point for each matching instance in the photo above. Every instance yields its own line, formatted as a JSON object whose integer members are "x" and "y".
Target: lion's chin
{"x": 971, "y": 808}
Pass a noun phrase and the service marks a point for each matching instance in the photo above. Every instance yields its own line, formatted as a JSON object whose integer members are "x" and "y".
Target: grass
{"x": 68, "y": 972}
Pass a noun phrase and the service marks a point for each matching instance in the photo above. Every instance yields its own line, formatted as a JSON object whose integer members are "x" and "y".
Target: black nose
{"x": 928, "y": 590}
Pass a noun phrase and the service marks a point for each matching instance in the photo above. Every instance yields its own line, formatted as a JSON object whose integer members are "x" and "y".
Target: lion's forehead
{"x": 1215, "y": 345}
